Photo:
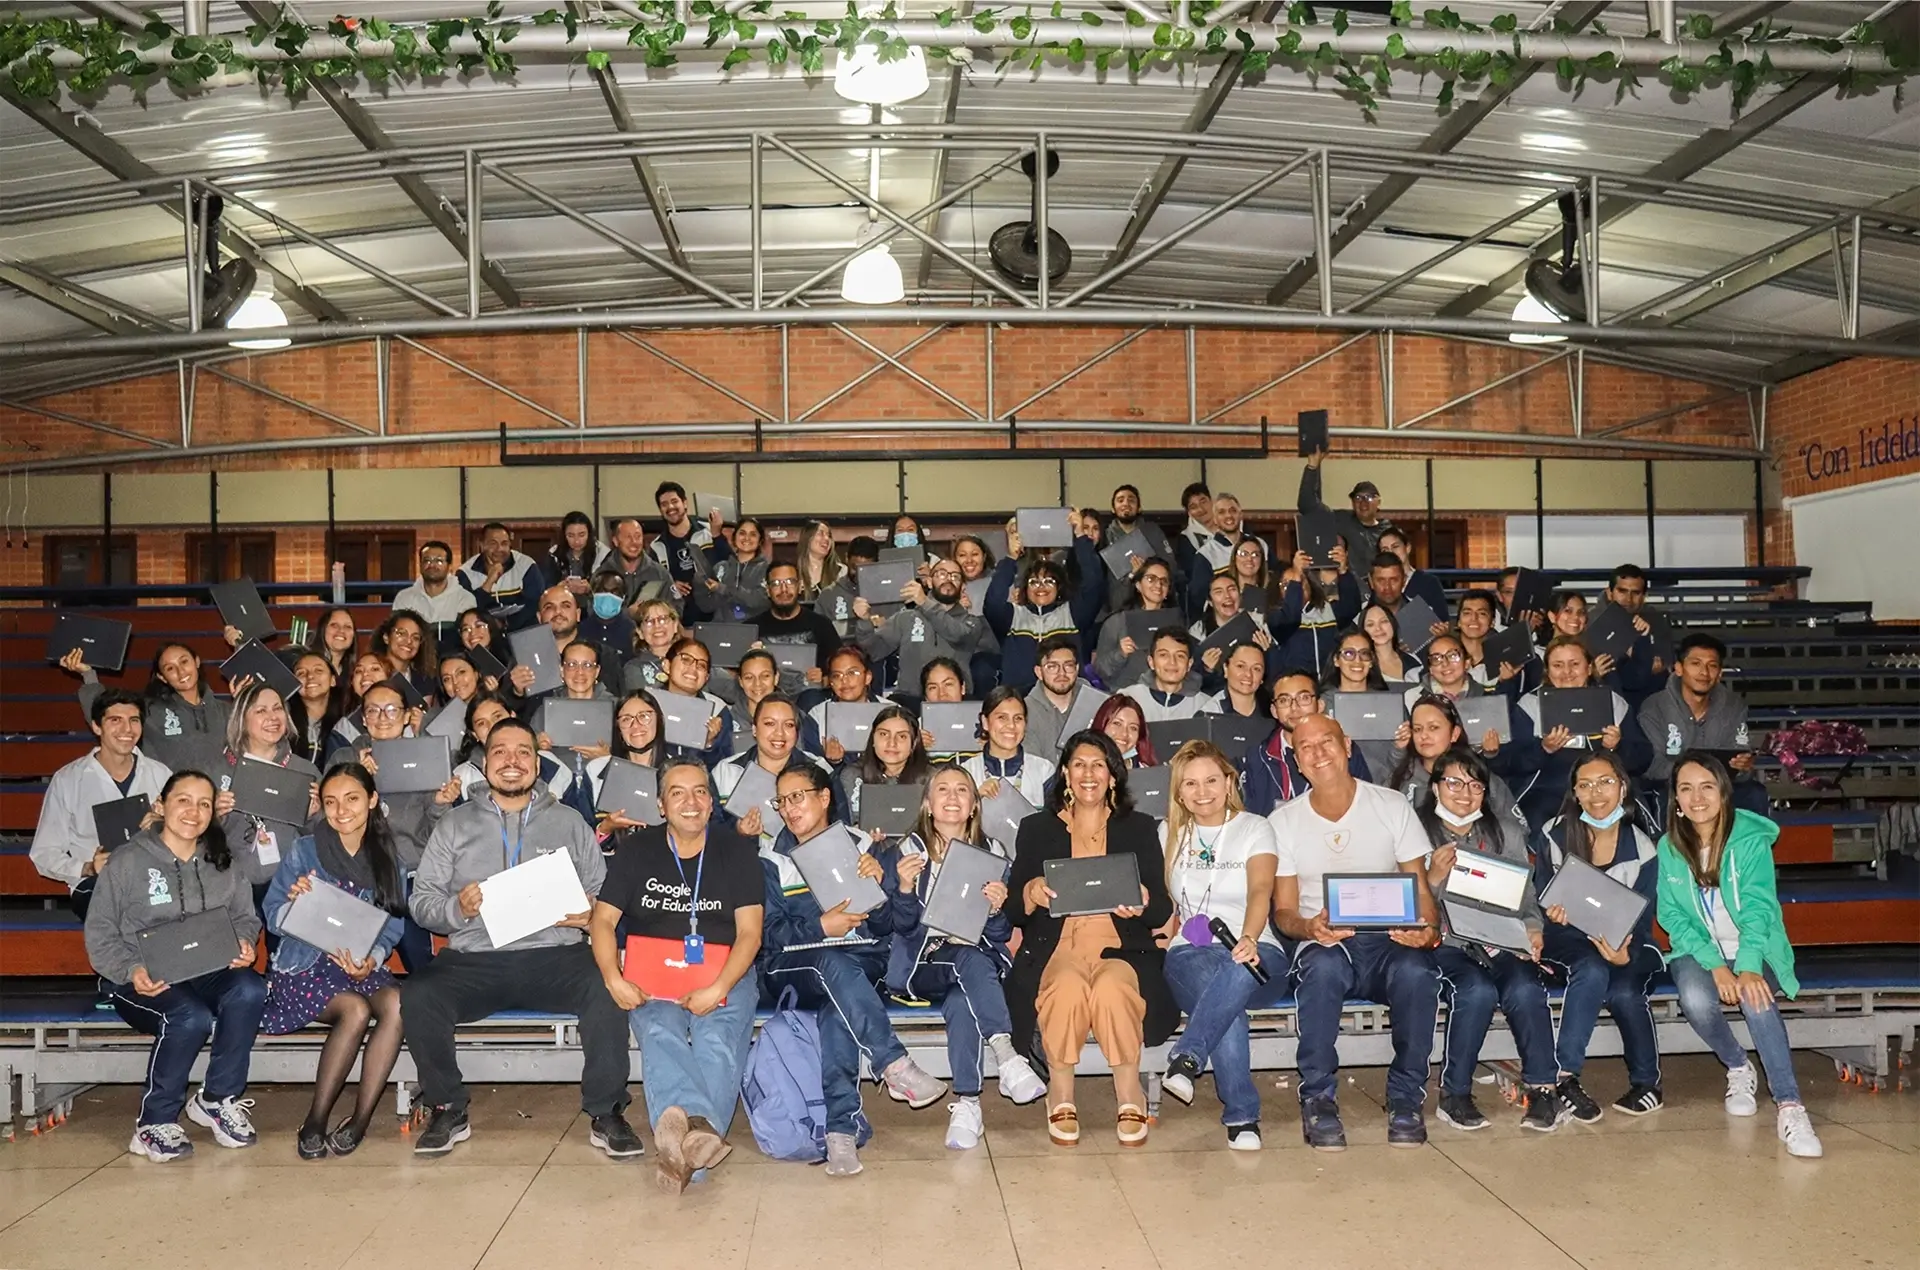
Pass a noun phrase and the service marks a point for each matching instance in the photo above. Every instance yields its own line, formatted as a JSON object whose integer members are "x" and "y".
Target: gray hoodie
{"x": 1046, "y": 723}
{"x": 1671, "y": 729}
{"x": 184, "y": 737}
{"x": 470, "y": 844}
{"x": 921, "y": 634}
{"x": 145, "y": 885}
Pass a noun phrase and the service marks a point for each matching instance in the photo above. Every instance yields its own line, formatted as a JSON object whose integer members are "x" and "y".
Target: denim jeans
{"x": 1514, "y": 984}
{"x": 225, "y": 1005}
{"x": 1700, "y": 1001}
{"x": 1405, "y": 980}
{"x": 1215, "y": 993}
{"x": 1593, "y": 983}
{"x": 839, "y": 983}
{"x": 693, "y": 1061}
{"x": 965, "y": 983}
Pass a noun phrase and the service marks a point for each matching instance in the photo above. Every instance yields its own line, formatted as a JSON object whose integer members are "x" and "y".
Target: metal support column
{"x": 1323, "y": 232}
{"x": 1577, "y": 390}
{"x": 756, "y": 243}
{"x": 1040, "y": 213}
{"x": 786, "y": 378}
{"x": 474, "y": 248}
{"x": 580, "y": 373}
{"x": 1386, "y": 380}
{"x": 1647, "y": 469}
{"x": 195, "y": 253}
{"x": 382, "y": 368}
{"x": 1193, "y": 380}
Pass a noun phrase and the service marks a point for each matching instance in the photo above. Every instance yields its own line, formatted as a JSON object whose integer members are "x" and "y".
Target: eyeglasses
{"x": 384, "y": 712}
{"x": 698, "y": 663}
{"x": 797, "y": 797}
{"x": 1300, "y": 700}
{"x": 782, "y": 584}
{"x": 1461, "y": 785}
{"x": 1449, "y": 657}
{"x": 1034, "y": 584}
{"x": 634, "y": 720}
{"x": 435, "y": 560}
{"x": 1598, "y": 785}
{"x": 659, "y": 619}
{"x": 846, "y": 673}
{"x": 1154, "y": 579}
{"x": 579, "y": 665}
{"x": 1356, "y": 654}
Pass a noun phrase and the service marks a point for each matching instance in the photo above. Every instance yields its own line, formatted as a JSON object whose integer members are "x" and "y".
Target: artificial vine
{"x": 106, "y": 51}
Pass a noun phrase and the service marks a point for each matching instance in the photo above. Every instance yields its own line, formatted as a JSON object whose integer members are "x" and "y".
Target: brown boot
{"x": 670, "y": 1167}
{"x": 703, "y": 1147}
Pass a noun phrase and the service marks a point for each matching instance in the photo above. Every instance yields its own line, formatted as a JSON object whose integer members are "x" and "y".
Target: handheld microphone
{"x": 1227, "y": 940}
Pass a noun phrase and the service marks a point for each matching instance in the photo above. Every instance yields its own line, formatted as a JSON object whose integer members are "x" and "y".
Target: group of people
{"x": 1070, "y": 686}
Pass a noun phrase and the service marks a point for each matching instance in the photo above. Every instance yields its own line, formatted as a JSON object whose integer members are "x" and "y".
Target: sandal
{"x": 1063, "y": 1125}
{"x": 1132, "y": 1126}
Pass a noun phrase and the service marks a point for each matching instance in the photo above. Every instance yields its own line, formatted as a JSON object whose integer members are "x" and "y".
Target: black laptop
{"x": 727, "y": 642}
{"x": 882, "y": 583}
{"x": 1415, "y": 622}
{"x": 409, "y": 695}
{"x": 1229, "y": 635}
{"x": 256, "y": 661}
{"x": 955, "y": 905}
{"x": 1170, "y": 734}
{"x": 1313, "y": 432}
{"x": 102, "y": 641}
{"x": 412, "y": 765}
{"x": 1142, "y": 624}
{"x": 631, "y": 789}
{"x": 1581, "y": 711}
{"x": 1044, "y": 527}
{"x": 1610, "y": 633}
{"x": 798, "y": 658}
{"x": 200, "y": 944}
{"x": 1093, "y": 884}
{"x": 118, "y": 820}
{"x": 1119, "y": 556}
{"x": 536, "y": 649}
{"x": 1512, "y": 646}
{"x": 1532, "y": 593}
{"x": 1369, "y": 716}
{"x": 488, "y": 665}
{"x": 954, "y": 725}
{"x": 892, "y": 809}
{"x": 242, "y": 608}
{"x": 568, "y": 723}
{"x": 1481, "y": 713}
{"x": 1238, "y": 733}
{"x": 1151, "y": 787}
{"x": 450, "y": 721}
{"x": 272, "y": 792}
{"x": 1317, "y": 534}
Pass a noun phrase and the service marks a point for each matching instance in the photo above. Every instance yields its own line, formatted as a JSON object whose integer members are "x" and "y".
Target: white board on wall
{"x": 1601, "y": 542}
{"x": 1835, "y": 534}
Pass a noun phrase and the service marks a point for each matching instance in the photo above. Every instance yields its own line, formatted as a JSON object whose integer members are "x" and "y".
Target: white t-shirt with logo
{"x": 1379, "y": 833}
{"x": 1210, "y": 872}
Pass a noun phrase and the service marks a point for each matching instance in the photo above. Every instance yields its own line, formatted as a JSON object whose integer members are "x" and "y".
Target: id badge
{"x": 695, "y": 950}
{"x": 266, "y": 844}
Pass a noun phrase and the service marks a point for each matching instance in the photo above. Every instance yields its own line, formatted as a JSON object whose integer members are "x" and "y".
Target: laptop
{"x": 630, "y": 789}
{"x": 412, "y": 765}
{"x": 1170, "y": 734}
{"x": 850, "y": 722}
{"x": 1482, "y": 900}
{"x": 255, "y": 660}
{"x": 1317, "y": 534}
{"x": 530, "y": 897}
{"x": 1236, "y": 734}
{"x": 1484, "y": 713}
{"x": 797, "y": 658}
{"x": 704, "y": 505}
{"x": 1415, "y": 622}
{"x": 830, "y": 865}
{"x": 1142, "y": 623}
{"x": 1532, "y": 593}
{"x": 1512, "y": 646}
{"x": 955, "y": 726}
{"x": 1151, "y": 788}
{"x": 450, "y": 721}
{"x": 188, "y": 947}
{"x": 915, "y": 556}
{"x": 1596, "y": 904}
{"x": 977, "y": 594}
{"x": 1080, "y": 714}
{"x": 882, "y": 583}
{"x": 1610, "y": 632}
{"x": 683, "y": 719}
{"x": 1043, "y": 527}
{"x": 1581, "y": 711}
{"x": 892, "y": 809}
{"x": 568, "y": 723}
{"x": 757, "y": 788}
{"x": 488, "y": 666}
{"x": 1371, "y": 901}
{"x": 409, "y": 695}
{"x": 1313, "y": 432}
{"x": 1000, "y": 816}
{"x": 1369, "y": 716}
{"x": 536, "y": 649}
{"x": 242, "y": 608}
{"x": 1093, "y": 884}
{"x": 955, "y": 906}
{"x": 115, "y": 822}
{"x": 1119, "y": 557}
{"x": 1230, "y": 634}
{"x": 330, "y": 919}
{"x": 102, "y": 641}
{"x": 659, "y": 967}
{"x": 727, "y": 642}
{"x": 273, "y": 792}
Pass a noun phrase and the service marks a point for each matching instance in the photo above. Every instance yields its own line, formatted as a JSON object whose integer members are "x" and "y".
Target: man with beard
{"x": 1059, "y": 695}
{"x": 644, "y": 576}
{"x": 1126, "y": 519}
{"x": 787, "y": 621}
{"x": 1273, "y": 772}
{"x": 552, "y": 969}
{"x": 683, "y": 550}
{"x": 936, "y": 622}
{"x": 436, "y": 597}
{"x": 560, "y": 612}
{"x": 503, "y": 581}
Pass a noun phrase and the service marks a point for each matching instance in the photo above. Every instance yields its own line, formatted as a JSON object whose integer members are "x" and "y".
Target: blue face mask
{"x": 906, "y": 540}
{"x": 1607, "y": 821}
{"x": 606, "y": 606}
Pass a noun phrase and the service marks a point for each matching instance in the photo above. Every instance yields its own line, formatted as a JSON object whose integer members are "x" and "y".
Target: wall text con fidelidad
{"x": 1896, "y": 442}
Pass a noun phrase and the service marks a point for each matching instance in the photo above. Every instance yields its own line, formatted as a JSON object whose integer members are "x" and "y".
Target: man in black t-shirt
{"x": 690, "y": 895}
{"x": 787, "y": 621}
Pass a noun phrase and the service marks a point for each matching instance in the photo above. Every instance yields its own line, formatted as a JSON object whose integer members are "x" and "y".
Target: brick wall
{"x": 1832, "y": 429}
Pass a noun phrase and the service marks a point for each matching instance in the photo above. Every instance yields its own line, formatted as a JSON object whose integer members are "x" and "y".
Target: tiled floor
{"x": 1688, "y": 1187}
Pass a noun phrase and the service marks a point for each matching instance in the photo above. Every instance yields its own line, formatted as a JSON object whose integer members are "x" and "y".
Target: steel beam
{"x": 91, "y": 425}
{"x": 756, "y": 411}
{"x": 898, "y": 363}
{"x": 609, "y": 85}
{"x": 76, "y": 301}
{"x": 1076, "y": 372}
{"x": 494, "y": 384}
{"x": 1670, "y": 412}
{"x": 292, "y": 403}
{"x": 1487, "y": 387}
{"x": 937, "y": 179}
{"x": 862, "y": 378}
{"x": 1902, "y": 340}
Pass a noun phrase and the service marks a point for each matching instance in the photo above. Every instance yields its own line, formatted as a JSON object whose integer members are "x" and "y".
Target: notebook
{"x": 1236, "y": 734}
{"x": 536, "y": 649}
{"x": 659, "y": 967}
{"x": 1482, "y": 900}
{"x": 1317, "y": 534}
{"x": 1119, "y": 557}
{"x": 1610, "y": 632}
{"x": 1093, "y": 884}
{"x": 704, "y": 505}
{"x": 1000, "y": 816}
{"x": 1235, "y": 631}
{"x": 1532, "y": 593}
{"x": 756, "y": 788}
{"x": 683, "y": 719}
{"x": 242, "y": 608}
{"x": 1484, "y": 713}
{"x": 955, "y": 905}
{"x": 102, "y": 641}
{"x": 1369, "y": 716}
{"x": 331, "y": 920}
{"x": 1141, "y": 624}
{"x": 1596, "y": 903}
{"x": 412, "y": 765}
{"x": 830, "y": 864}
{"x": 1581, "y": 711}
{"x": 191, "y": 946}
{"x": 1170, "y": 734}
{"x": 798, "y": 658}
{"x": 892, "y": 809}
{"x": 1512, "y": 646}
{"x": 1313, "y": 432}
{"x": 489, "y": 666}
{"x": 409, "y": 695}
{"x": 272, "y": 792}
{"x": 1150, "y": 787}
{"x": 255, "y": 660}
{"x": 1043, "y": 527}
{"x": 849, "y": 722}
{"x": 882, "y": 583}
{"x": 1371, "y": 901}
{"x": 1415, "y": 622}
{"x": 450, "y": 721}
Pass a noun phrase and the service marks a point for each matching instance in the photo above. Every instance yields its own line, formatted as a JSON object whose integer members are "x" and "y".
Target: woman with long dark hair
{"x": 818, "y": 560}
{"x": 185, "y": 724}
{"x": 1391, "y": 657}
{"x": 355, "y": 997}
{"x": 896, "y": 754}
{"x": 638, "y": 738}
{"x": 576, "y": 555}
{"x": 310, "y": 712}
{"x": 337, "y": 638}
{"x": 408, "y": 646}
{"x": 1118, "y": 659}
{"x": 1729, "y": 946}
{"x": 1305, "y": 618}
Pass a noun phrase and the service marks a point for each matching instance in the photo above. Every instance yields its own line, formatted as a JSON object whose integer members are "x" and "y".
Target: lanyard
{"x": 511, "y": 850}
{"x": 699, "y": 870}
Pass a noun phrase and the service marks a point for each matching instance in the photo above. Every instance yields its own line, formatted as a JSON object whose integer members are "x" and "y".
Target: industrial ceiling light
{"x": 1531, "y": 310}
{"x": 861, "y": 76}
{"x": 1561, "y": 288}
{"x": 873, "y": 276}
{"x": 259, "y": 311}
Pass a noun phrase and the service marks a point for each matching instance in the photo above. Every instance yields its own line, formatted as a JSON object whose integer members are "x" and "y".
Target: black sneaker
{"x": 1243, "y": 1137}
{"x": 1182, "y": 1071}
{"x": 448, "y": 1126}
{"x": 1641, "y": 1100}
{"x": 1320, "y": 1125}
{"x": 1545, "y": 1111}
{"x": 1406, "y": 1127}
{"x": 612, "y": 1134}
{"x": 1578, "y": 1101}
{"x": 1459, "y": 1111}
{"x": 312, "y": 1144}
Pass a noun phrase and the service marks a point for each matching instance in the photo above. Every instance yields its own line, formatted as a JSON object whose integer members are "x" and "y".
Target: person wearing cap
{"x": 1360, "y": 528}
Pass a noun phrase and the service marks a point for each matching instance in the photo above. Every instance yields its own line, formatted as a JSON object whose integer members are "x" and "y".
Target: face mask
{"x": 1607, "y": 821}
{"x": 1458, "y": 822}
{"x": 906, "y": 540}
{"x": 606, "y": 606}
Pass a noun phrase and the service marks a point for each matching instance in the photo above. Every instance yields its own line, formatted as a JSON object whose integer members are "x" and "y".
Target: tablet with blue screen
{"x": 1371, "y": 901}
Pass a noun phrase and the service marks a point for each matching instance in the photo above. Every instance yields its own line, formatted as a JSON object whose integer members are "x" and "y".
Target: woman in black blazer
{"x": 1100, "y": 972}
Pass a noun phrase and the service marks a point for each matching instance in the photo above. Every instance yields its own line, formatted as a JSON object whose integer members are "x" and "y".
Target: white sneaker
{"x": 964, "y": 1125}
{"x": 1742, "y": 1083}
{"x": 163, "y": 1142}
{"x": 1020, "y": 1082}
{"x": 1796, "y": 1130}
{"x": 227, "y": 1118}
{"x": 843, "y": 1156}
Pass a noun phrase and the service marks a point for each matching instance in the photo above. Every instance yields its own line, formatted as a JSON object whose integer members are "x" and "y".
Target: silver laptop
{"x": 412, "y": 765}
{"x": 955, "y": 905}
{"x": 332, "y": 920}
{"x": 704, "y": 505}
{"x": 1483, "y": 898}
{"x": 955, "y": 726}
{"x": 1481, "y": 713}
{"x": 756, "y": 789}
{"x": 630, "y": 789}
{"x": 830, "y": 863}
{"x": 1596, "y": 903}
{"x": 188, "y": 947}
{"x": 568, "y": 723}
{"x": 1000, "y": 816}
{"x": 536, "y": 649}
{"x": 1043, "y": 527}
{"x": 272, "y": 792}
{"x": 1369, "y": 716}
{"x": 1093, "y": 884}
{"x": 850, "y": 723}
{"x": 683, "y": 719}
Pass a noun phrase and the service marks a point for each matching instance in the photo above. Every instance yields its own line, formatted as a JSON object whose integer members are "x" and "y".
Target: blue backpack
{"x": 786, "y": 1107}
